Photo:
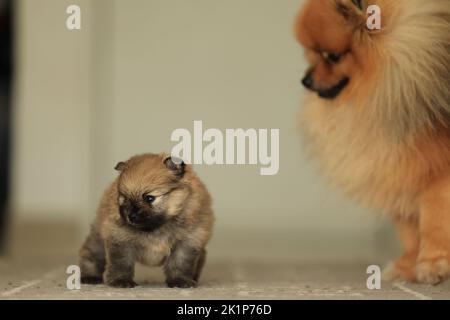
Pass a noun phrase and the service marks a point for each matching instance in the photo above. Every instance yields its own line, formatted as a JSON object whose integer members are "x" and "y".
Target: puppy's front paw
{"x": 91, "y": 280}
{"x": 433, "y": 271}
{"x": 121, "y": 283}
{"x": 181, "y": 283}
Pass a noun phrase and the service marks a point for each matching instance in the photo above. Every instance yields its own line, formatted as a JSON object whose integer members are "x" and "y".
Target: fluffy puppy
{"x": 157, "y": 212}
{"x": 377, "y": 117}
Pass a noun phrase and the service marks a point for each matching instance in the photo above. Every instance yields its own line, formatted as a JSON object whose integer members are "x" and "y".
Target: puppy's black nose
{"x": 308, "y": 81}
{"x": 134, "y": 216}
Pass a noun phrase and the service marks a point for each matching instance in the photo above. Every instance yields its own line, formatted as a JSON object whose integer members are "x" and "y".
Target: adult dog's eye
{"x": 148, "y": 198}
{"x": 332, "y": 57}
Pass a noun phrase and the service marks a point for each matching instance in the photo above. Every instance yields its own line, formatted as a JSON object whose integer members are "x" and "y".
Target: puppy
{"x": 377, "y": 117}
{"x": 157, "y": 212}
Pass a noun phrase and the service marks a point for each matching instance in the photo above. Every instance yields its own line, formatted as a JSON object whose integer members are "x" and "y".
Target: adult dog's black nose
{"x": 308, "y": 81}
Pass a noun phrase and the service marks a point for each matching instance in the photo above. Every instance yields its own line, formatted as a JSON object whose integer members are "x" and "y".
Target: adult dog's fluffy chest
{"x": 362, "y": 159}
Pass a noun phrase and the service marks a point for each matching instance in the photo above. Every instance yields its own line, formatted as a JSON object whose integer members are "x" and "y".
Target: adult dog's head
{"x": 333, "y": 33}
{"x": 401, "y": 71}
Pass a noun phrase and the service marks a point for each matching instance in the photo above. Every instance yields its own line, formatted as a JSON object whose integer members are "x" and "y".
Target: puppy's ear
{"x": 176, "y": 165}
{"x": 120, "y": 166}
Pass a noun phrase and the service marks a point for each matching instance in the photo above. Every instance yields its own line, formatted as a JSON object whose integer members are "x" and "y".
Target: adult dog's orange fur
{"x": 380, "y": 126}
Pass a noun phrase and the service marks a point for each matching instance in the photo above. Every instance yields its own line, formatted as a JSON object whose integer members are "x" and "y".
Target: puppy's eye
{"x": 331, "y": 57}
{"x": 148, "y": 198}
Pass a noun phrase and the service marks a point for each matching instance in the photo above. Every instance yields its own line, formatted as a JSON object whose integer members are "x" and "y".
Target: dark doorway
{"x": 5, "y": 109}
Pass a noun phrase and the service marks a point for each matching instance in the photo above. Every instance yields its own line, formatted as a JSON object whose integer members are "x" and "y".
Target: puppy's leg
{"x": 404, "y": 267}
{"x": 92, "y": 259}
{"x": 120, "y": 260}
{"x": 181, "y": 267}
{"x": 200, "y": 264}
{"x": 434, "y": 256}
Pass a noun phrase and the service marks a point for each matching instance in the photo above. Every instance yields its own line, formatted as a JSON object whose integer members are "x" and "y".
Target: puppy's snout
{"x": 308, "y": 81}
{"x": 134, "y": 216}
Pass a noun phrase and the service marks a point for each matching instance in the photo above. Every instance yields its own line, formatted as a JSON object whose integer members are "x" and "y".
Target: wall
{"x": 52, "y": 111}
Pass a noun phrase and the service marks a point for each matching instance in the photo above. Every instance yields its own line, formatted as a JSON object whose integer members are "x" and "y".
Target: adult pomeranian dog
{"x": 377, "y": 117}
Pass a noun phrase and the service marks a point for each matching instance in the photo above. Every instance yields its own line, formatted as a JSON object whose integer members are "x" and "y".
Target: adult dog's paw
{"x": 433, "y": 271}
{"x": 401, "y": 270}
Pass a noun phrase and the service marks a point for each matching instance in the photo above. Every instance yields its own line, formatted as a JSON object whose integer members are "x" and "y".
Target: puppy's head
{"x": 151, "y": 191}
{"x": 333, "y": 34}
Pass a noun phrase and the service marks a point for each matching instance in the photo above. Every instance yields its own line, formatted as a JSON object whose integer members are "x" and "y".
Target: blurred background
{"x": 79, "y": 101}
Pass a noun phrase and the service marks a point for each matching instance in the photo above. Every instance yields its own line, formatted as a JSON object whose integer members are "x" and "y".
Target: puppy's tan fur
{"x": 385, "y": 140}
{"x": 179, "y": 244}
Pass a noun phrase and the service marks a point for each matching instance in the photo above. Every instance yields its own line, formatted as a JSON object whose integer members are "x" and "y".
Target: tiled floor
{"x": 36, "y": 269}
{"x": 221, "y": 280}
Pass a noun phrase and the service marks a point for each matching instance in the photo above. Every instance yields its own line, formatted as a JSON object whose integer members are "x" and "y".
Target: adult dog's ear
{"x": 352, "y": 10}
{"x": 120, "y": 166}
{"x": 358, "y": 3}
{"x": 176, "y": 165}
